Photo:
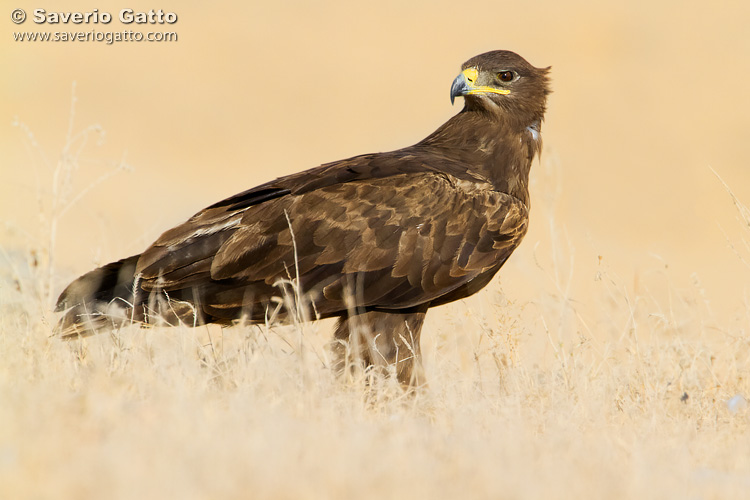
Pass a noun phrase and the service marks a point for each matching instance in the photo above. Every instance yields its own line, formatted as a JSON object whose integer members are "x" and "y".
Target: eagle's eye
{"x": 505, "y": 76}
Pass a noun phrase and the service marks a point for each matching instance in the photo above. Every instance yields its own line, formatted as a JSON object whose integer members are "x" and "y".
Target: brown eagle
{"x": 375, "y": 240}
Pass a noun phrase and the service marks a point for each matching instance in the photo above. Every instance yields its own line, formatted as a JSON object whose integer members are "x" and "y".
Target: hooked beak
{"x": 460, "y": 86}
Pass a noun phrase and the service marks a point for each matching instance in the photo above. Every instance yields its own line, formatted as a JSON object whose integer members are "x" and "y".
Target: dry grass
{"x": 620, "y": 395}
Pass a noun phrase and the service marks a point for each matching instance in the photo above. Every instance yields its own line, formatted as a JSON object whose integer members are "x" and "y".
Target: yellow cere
{"x": 471, "y": 75}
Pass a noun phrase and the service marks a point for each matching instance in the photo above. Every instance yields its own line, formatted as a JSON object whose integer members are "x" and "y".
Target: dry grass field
{"x": 609, "y": 360}
{"x": 626, "y": 398}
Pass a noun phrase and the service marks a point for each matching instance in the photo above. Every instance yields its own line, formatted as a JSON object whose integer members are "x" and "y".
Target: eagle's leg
{"x": 382, "y": 339}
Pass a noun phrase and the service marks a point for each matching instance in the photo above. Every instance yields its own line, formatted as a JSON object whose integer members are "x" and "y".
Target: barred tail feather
{"x": 100, "y": 299}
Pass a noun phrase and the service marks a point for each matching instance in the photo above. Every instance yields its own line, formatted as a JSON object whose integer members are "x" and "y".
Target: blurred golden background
{"x": 614, "y": 365}
{"x": 647, "y": 97}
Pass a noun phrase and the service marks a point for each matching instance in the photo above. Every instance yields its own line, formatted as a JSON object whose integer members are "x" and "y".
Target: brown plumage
{"x": 375, "y": 240}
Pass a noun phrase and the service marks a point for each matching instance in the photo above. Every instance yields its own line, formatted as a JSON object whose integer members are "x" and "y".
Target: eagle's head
{"x": 503, "y": 82}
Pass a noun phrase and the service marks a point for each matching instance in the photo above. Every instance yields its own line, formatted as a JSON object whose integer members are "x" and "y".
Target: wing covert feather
{"x": 429, "y": 231}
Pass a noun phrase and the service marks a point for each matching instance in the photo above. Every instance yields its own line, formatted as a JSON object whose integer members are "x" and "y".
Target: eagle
{"x": 375, "y": 240}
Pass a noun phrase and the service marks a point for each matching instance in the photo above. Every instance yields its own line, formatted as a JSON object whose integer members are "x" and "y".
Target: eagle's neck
{"x": 498, "y": 149}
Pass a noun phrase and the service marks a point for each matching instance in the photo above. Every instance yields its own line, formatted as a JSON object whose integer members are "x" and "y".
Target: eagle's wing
{"x": 390, "y": 242}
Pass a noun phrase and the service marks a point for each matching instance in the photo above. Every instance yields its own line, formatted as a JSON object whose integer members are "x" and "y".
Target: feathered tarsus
{"x": 375, "y": 240}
